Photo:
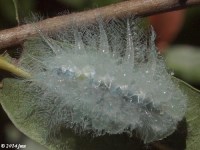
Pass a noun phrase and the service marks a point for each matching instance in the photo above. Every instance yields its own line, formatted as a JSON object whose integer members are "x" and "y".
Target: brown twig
{"x": 14, "y": 36}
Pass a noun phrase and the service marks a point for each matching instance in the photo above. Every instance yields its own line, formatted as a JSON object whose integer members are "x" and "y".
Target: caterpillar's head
{"x": 104, "y": 78}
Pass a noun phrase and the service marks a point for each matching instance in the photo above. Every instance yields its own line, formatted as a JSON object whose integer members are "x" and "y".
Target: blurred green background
{"x": 177, "y": 60}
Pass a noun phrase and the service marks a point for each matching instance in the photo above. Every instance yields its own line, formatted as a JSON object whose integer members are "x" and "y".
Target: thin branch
{"x": 14, "y": 36}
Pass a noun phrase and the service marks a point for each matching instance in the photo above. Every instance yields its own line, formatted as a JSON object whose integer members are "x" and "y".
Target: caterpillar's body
{"x": 105, "y": 79}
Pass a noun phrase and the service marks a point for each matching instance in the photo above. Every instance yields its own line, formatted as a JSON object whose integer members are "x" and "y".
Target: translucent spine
{"x": 86, "y": 88}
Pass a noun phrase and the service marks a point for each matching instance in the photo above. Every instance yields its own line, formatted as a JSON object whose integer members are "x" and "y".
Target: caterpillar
{"x": 106, "y": 78}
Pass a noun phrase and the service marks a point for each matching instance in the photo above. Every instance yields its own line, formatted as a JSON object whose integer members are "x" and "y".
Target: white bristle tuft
{"x": 104, "y": 78}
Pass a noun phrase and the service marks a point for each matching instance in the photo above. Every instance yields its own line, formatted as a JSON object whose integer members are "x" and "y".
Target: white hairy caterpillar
{"x": 105, "y": 78}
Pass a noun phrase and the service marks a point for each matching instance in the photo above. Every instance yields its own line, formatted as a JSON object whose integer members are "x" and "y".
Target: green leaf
{"x": 193, "y": 115}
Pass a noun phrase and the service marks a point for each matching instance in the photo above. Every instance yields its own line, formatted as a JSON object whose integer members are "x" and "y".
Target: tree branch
{"x": 14, "y": 36}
